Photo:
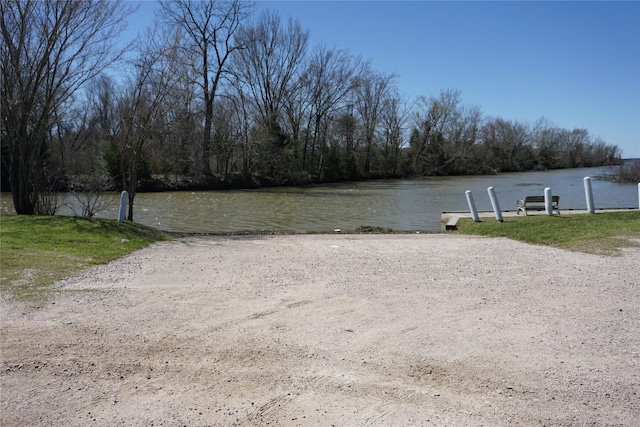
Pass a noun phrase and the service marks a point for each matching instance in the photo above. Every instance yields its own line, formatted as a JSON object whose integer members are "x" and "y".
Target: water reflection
{"x": 405, "y": 205}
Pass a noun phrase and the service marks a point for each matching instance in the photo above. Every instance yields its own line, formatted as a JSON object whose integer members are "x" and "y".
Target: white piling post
{"x": 588, "y": 193}
{"x": 639, "y": 195}
{"x": 494, "y": 203}
{"x": 548, "y": 207}
{"x": 472, "y": 205}
{"x": 124, "y": 197}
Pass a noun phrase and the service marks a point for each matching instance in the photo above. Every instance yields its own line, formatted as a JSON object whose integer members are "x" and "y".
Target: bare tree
{"x": 269, "y": 68}
{"x": 49, "y": 50}
{"x": 245, "y": 120}
{"x": 143, "y": 106}
{"x": 227, "y": 136}
{"x": 329, "y": 78}
{"x": 462, "y": 133}
{"x": 394, "y": 120}
{"x": 574, "y": 144}
{"x": 371, "y": 88}
{"x": 172, "y": 152}
{"x": 345, "y": 135}
{"x": 209, "y": 29}
{"x": 70, "y": 132}
{"x": 432, "y": 120}
{"x": 544, "y": 136}
{"x": 508, "y": 142}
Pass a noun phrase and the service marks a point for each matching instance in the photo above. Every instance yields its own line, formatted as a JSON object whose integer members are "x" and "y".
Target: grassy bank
{"x": 602, "y": 233}
{"x": 37, "y": 251}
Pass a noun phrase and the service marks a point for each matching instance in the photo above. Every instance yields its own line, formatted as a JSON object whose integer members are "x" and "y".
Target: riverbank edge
{"x": 629, "y": 168}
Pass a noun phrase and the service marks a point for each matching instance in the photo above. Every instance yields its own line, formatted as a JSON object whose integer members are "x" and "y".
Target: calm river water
{"x": 406, "y": 205}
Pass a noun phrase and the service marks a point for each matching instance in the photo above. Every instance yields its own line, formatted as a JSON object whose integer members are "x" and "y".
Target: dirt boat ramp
{"x": 321, "y": 330}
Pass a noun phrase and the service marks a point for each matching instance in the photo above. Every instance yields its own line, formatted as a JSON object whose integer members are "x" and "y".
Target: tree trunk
{"x": 21, "y": 199}
{"x": 24, "y": 181}
{"x": 206, "y": 139}
{"x": 133, "y": 185}
{"x": 132, "y": 196}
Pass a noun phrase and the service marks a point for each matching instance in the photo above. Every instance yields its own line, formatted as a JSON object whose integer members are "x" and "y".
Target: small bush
{"x": 627, "y": 172}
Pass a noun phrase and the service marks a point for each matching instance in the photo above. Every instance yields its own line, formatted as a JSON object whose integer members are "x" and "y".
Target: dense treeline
{"x": 216, "y": 96}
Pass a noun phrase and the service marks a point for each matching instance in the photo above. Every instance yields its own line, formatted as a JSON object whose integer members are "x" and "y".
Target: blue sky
{"x": 576, "y": 63}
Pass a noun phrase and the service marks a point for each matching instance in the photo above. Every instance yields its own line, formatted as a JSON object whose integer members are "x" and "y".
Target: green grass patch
{"x": 37, "y": 251}
{"x": 603, "y": 233}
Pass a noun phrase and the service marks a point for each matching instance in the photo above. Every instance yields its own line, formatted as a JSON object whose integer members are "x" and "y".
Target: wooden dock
{"x": 450, "y": 219}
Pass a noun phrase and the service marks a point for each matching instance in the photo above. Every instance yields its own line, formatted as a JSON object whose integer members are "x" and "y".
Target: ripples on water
{"x": 405, "y": 205}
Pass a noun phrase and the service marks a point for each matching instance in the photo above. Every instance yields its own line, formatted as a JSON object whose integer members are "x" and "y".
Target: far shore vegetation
{"x": 231, "y": 99}
{"x": 37, "y": 251}
{"x": 627, "y": 172}
{"x": 603, "y": 233}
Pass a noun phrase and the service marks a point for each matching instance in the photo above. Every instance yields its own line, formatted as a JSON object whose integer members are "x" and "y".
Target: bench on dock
{"x": 536, "y": 203}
